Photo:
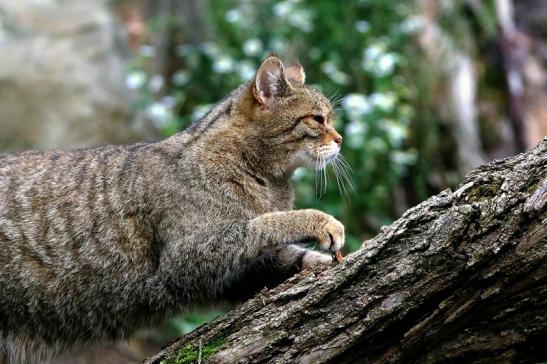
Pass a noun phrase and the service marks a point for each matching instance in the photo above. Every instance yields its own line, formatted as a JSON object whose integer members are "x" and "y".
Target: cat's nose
{"x": 337, "y": 138}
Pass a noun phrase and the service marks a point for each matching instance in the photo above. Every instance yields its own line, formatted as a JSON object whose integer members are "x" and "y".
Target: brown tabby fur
{"x": 95, "y": 243}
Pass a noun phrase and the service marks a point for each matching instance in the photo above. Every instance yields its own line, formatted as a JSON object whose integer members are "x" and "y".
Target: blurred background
{"x": 426, "y": 90}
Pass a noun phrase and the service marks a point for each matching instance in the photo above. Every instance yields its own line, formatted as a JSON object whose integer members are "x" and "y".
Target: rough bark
{"x": 462, "y": 277}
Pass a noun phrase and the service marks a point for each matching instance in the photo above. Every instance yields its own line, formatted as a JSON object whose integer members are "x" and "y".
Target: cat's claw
{"x": 334, "y": 235}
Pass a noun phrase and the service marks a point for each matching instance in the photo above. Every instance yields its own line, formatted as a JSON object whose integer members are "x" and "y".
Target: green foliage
{"x": 355, "y": 53}
{"x": 191, "y": 353}
{"x": 189, "y": 322}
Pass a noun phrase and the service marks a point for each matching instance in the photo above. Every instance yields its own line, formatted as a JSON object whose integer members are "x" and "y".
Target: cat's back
{"x": 44, "y": 178}
{"x": 83, "y": 172}
{"x": 64, "y": 206}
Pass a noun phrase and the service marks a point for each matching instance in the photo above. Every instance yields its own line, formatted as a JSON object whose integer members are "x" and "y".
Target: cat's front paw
{"x": 335, "y": 234}
{"x": 328, "y": 231}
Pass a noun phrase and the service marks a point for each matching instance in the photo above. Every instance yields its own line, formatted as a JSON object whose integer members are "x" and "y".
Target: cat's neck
{"x": 237, "y": 153}
{"x": 229, "y": 150}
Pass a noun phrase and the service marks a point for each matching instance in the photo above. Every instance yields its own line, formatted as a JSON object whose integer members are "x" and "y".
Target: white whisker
{"x": 336, "y": 98}
{"x": 342, "y": 173}
{"x": 323, "y": 177}
{"x": 325, "y": 173}
{"x": 316, "y": 178}
{"x": 345, "y": 168}
{"x": 341, "y": 187}
{"x": 342, "y": 181}
{"x": 333, "y": 96}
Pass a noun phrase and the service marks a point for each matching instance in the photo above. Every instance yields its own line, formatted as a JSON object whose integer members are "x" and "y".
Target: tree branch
{"x": 459, "y": 278}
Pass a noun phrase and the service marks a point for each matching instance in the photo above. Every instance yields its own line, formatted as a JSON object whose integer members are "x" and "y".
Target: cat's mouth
{"x": 324, "y": 158}
{"x": 325, "y": 155}
{"x": 317, "y": 159}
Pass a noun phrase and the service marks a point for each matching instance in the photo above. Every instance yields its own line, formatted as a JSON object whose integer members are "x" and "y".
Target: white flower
{"x": 300, "y": 19}
{"x": 385, "y": 101}
{"x": 223, "y": 64}
{"x": 246, "y": 70}
{"x": 328, "y": 67}
{"x": 396, "y": 132}
{"x": 386, "y": 63}
{"x": 282, "y": 8}
{"x": 156, "y": 83}
{"x": 135, "y": 80}
{"x": 378, "y": 145}
{"x": 159, "y": 113}
{"x": 362, "y": 26}
{"x": 233, "y": 16}
{"x": 412, "y": 24}
{"x": 334, "y": 73}
{"x": 356, "y": 105}
{"x": 355, "y": 132}
{"x": 403, "y": 158}
{"x": 252, "y": 47}
{"x": 373, "y": 51}
{"x": 180, "y": 78}
{"x": 210, "y": 49}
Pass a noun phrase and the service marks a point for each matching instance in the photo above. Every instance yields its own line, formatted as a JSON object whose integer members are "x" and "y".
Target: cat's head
{"x": 295, "y": 120}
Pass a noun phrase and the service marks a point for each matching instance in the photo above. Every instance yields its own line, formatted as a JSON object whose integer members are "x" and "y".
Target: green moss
{"x": 484, "y": 191}
{"x": 190, "y": 353}
{"x": 380, "y": 263}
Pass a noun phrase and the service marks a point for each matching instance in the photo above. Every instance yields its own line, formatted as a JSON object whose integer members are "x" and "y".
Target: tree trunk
{"x": 462, "y": 277}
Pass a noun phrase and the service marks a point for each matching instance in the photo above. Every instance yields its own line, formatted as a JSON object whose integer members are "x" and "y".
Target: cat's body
{"x": 97, "y": 242}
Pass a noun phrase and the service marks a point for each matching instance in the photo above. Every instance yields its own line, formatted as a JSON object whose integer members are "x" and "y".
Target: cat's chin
{"x": 316, "y": 163}
{"x": 325, "y": 161}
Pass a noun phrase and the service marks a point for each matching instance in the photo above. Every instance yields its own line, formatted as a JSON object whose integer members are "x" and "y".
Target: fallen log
{"x": 462, "y": 277}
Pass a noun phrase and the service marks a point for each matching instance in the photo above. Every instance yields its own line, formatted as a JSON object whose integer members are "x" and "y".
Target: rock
{"x": 62, "y": 77}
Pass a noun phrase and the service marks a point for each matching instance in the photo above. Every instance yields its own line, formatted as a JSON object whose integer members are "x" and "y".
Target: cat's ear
{"x": 270, "y": 81}
{"x": 296, "y": 75}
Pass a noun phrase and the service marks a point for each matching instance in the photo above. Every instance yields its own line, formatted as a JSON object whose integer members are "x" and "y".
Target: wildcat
{"x": 97, "y": 242}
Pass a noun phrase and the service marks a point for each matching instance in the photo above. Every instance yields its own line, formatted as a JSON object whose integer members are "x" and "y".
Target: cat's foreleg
{"x": 241, "y": 257}
{"x": 289, "y": 227}
{"x": 270, "y": 255}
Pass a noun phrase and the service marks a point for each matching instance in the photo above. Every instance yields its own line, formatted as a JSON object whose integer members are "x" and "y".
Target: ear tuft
{"x": 270, "y": 81}
{"x": 296, "y": 75}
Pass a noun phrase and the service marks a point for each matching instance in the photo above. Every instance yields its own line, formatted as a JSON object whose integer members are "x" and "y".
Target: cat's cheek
{"x": 303, "y": 159}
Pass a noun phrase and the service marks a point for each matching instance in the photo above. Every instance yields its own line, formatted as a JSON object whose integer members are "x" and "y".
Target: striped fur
{"x": 97, "y": 242}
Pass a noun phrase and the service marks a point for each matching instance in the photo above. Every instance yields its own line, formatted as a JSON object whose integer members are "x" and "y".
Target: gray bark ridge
{"x": 462, "y": 277}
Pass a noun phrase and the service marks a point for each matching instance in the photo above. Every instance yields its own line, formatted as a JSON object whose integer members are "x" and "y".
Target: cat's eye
{"x": 320, "y": 119}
